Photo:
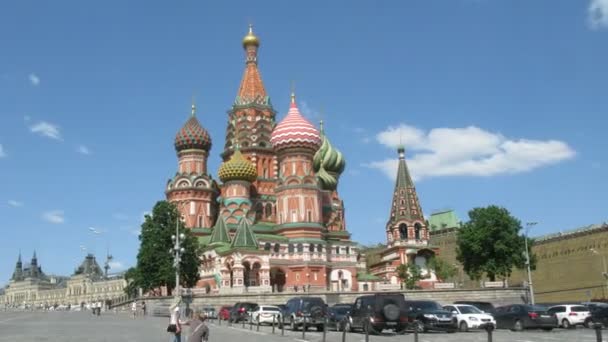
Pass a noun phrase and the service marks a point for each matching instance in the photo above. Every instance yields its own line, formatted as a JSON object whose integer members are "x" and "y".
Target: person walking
{"x": 134, "y": 309}
{"x": 199, "y": 330}
{"x": 98, "y": 308}
{"x": 175, "y": 324}
{"x": 143, "y": 308}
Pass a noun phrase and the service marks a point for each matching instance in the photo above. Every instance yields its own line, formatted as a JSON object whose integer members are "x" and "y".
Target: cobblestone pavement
{"x": 120, "y": 327}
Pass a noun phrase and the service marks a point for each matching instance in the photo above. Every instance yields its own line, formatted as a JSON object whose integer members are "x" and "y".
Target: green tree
{"x": 490, "y": 244}
{"x": 372, "y": 254}
{"x": 409, "y": 274}
{"x": 443, "y": 269}
{"x": 154, "y": 259}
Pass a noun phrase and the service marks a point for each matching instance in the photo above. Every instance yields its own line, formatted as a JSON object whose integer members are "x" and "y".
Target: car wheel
{"x": 566, "y": 324}
{"x": 588, "y": 323}
{"x": 464, "y": 327}
{"x": 518, "y": 326}
{"x": 294, "y": 327}
{"x": 419, "y": 326}
{"x": 320, "y": 327}
{"x": 348, "y": 327}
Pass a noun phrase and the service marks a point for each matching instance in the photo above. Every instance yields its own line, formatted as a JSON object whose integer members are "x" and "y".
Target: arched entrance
{"x": 277, "y": 279}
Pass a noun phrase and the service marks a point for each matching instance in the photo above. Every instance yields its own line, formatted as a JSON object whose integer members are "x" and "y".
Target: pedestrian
{"x": 98, "y": 308}
{"x": 199, "y": 330}
{"x": 134, "y": 309}
{"x": 143, "y": 308}
{"x": 175, "y": 325}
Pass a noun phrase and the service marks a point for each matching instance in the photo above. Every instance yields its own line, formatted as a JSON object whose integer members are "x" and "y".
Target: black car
{"x": 299, "y": 310}
{"x": 599, "y": 316}
{"x": 240, "y": 311}
{"x": 378, "y": 312}
{"x": 429, "y": 315}
{"x": 336, "y": 316}
{"x": 518, "y": 317}
{"x": 486, "y": 307}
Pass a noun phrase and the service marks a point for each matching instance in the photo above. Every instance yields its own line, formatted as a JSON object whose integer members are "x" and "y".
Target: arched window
{"x": 300, "y": 248}
{"x": 277, "y": 248}
{"x": 268, "y": 210}
{"x": 267, "y": 246}
{"x": 337, "y": 249}
{"x": 319, "y": 248}
{"x": 365, "y": 287}
{"x": 347, "y": 250}
{"x": 311, "y": 248}
{"x": 403, "y": 231}
{"x": 290, "y": 248}
{"x": 417, "y": 230}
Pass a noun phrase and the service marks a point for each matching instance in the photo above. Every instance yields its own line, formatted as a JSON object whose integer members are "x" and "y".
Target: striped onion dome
{"x": 192, "y": 135}
{"x": 295, "y": 131}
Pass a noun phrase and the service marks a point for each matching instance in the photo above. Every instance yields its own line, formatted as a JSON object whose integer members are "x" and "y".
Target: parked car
{"x": 518, "y": 317}
{"x": 570, "y": 315}
{"x": 429, "y": 315}
{"x": 266, "y": 314}
{"x": 600, "y": 316}
{"x": 470, "y": 317}
{"x": 486, "y": 307}
{"x": 337, "y": 316}
{"x": 378, "y": 312}
{"x": 311, "y": 309}
{"x": 224, "y": 313}
{"x": 209, "y": 311}
{"x": 240, "y": 311}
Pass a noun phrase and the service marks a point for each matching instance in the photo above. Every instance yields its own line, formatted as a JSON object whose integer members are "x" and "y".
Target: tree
{"x": 409, "y": 274}
{"x": 154, "y": 259}
{"x": 490, "y": 244}
{"x": 372, "y": 254}
{"x": 443, "y": 269}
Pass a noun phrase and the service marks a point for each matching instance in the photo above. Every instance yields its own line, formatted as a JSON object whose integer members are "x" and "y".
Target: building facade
{"x": 275, "y": 220}
{"x": 31, "y": 287}
{"x": 407, "y": 235}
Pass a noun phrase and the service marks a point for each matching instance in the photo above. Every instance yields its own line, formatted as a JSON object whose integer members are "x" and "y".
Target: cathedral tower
{"x": 192, "y": 189}
{"x": 18, "y": 273}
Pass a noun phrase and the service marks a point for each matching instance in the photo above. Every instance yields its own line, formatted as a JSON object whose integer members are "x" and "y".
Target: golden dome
{"x": 237, "y": 168}
{"x": 250, "y": 38}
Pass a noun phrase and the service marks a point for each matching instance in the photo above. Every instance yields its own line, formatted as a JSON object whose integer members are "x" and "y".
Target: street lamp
{"x": 605, "y": 272}
{"x": 177, "y": 252}
{"x": 529, "y": 225}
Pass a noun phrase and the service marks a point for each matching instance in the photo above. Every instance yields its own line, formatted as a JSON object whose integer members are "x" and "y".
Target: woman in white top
{"x": 134, "y": 308}
{"x": 175, "y": 326}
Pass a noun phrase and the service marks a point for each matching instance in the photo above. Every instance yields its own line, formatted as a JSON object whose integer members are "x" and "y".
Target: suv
{"x": 378, "y": 312}
{"x": 429, "y": 315}
{"x": 311, "y": 309}
{"x": 240, "y": 311}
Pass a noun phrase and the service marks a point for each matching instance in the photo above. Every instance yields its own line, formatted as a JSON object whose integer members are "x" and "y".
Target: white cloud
{"x": 83, "y": 150}
{"x": 34, "y": 79}
{"x": 14, "y": 203}
{"x": 46, "y": 129}
{"x": 469, "y": 151}
{"x": 2, "y": 153}
{"x": 116, "y": 266}
{"x": 598, "y": 14}
{"x": 54, "y": 216}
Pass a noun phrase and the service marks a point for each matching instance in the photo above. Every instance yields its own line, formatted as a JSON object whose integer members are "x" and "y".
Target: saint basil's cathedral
{"x": 276, "y": 221}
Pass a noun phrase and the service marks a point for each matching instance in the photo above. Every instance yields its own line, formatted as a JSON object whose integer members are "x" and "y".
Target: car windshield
{"x": 578, "y": 309}
{"x": 469, "y": 310}
{"x": 426, "y": 306}
{"x": 270, "y": 308}
{"x": 536, "y": 308}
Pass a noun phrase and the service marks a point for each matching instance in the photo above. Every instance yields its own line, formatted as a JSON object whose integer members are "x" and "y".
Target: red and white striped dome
{"x": 295, "y": 131}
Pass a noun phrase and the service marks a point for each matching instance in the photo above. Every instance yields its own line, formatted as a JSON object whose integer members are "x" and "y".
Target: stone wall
{"x": 497, "y": 296}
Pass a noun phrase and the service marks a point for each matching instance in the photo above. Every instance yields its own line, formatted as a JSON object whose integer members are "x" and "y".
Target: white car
{"x": 570, "y": 315}
{"x": 265, "y": 313}
{"x": 470, "y": 317}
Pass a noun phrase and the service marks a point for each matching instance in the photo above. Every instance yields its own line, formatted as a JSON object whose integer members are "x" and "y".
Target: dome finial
{"x": 193, "y": 109}
{"x": 251, "y": 38}
{"x": 293, "y": 93}
{"x": 321, "y": 129}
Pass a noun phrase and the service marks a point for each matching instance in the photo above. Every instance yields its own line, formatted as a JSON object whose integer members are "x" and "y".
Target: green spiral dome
{"x": 327, "y": 181}
{"x": 329, "y": 157}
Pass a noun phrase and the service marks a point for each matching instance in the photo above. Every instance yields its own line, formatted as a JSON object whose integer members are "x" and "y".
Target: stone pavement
{"x": 120, "y": 327}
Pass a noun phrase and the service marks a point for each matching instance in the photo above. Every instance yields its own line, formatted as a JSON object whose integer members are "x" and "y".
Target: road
{"x": 120, "y": 327}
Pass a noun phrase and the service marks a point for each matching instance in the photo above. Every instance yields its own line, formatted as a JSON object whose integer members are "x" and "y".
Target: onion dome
{"x": 250, "y": 38}
{"x": 192, "y": 135}
{"x": 295, "y": 131}
{"x": 328, "y": 157}
{"x": 327, "y": 181}
{"x": 237, "y": 168}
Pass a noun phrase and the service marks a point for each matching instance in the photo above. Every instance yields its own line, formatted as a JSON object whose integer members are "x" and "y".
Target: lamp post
{"x": 177, "y": 251}
{"x": 605, "y": 270}
{"x": 529, "y": 225}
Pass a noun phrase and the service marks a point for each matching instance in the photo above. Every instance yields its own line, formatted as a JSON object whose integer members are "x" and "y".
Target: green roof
{"x": 271, "y": 237}
{"x": 203, "y": 240}
{"x": 444, "y": 220}
{"x": 244, "y": 238}
{"x": 201, "y": 230}
{"x": 220, "y": 233}
{"x": 367, "y": 277}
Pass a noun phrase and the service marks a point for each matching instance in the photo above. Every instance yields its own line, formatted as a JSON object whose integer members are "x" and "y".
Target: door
{"x": 356, "y": 313}
{"x": 501, "y": 317}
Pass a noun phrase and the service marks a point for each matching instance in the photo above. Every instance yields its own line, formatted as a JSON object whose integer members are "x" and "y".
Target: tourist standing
{"x": 175, "y": 325}
{"x": 98, "y": 308}
{"x": 143, "y": 308}
{"x": 134, "y": 309}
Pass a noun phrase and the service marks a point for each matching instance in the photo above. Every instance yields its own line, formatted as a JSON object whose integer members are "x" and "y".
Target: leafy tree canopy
{"x": 155, "y": 260}
{"x": 443, "y": 269}
{"x": 409, "y": 274}
{"x": 490, "y": 244}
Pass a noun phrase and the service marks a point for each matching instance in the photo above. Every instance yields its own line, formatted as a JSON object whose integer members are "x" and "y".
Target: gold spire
{"x": 193, "y": 109}
{"x": 321, "y": 126}
{"x": 250, "y": 38}
{"x": 293, "y": 92}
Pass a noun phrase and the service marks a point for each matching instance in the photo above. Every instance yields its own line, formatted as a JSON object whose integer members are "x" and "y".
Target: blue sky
{"x": 497, "y": 102}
